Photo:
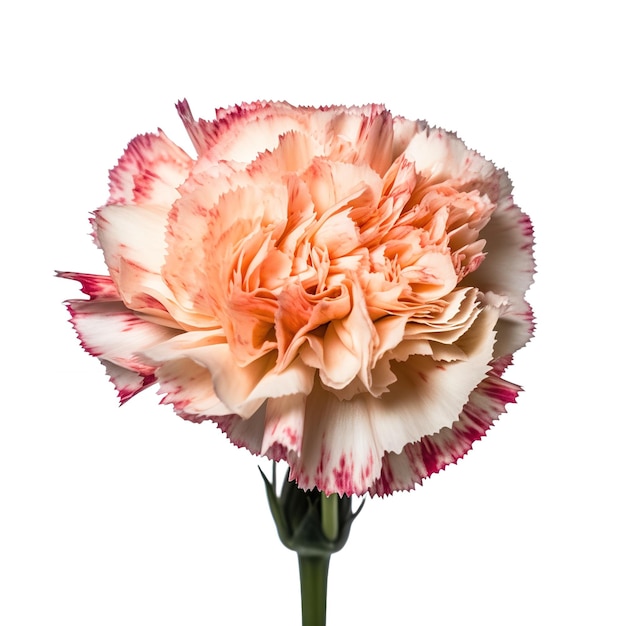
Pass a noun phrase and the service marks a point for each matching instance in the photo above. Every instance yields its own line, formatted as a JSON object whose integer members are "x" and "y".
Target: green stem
{"x": 313, "y": 587}
{"x": 330, "y": 515}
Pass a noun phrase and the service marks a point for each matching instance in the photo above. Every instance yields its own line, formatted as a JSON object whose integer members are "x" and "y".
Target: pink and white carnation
{"x": 337, "y": 288}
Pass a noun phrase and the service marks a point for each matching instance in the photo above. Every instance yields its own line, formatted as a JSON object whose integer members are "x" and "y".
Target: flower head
{"x": 335, "y": 287}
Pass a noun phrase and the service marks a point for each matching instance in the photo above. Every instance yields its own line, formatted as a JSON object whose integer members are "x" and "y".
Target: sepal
{"x": 298, "y": 517}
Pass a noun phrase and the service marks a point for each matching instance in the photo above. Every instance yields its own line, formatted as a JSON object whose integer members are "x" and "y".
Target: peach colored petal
{"x": 220, "y": 247}
{"x": 300, "y": 313}
{"x": 209, "y": 350}
{"x": 403, "y": 132}
{"x": 332, "y": 460}
{"x": 362, "y": 136}
{"x": 335, "y": 185}
{"x": 345, "y": 350}
{"x": 242, "y": 389}
{"x": 294, "y": 152}
{"x": 432, "y": 275}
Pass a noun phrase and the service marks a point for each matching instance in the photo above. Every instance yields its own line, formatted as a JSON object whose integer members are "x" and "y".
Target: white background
{"x": 131, "y": 516}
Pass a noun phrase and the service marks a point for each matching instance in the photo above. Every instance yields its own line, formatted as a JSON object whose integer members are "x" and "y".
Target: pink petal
{"x": 131, "y": 228}
{"x": 95, "y": 286}
{"x": 149, "y": 172}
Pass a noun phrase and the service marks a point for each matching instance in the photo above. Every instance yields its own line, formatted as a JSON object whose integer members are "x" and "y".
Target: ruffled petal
{"x": 509, "y": 264}
{"x": 402, "y": 471}
{"x": 403, "y": 132}
{"x": 344, "y": 442}
{"x": 132, "y": 239}
{"x": 109, "y": 331}
{"x": 113, "y": 333}
{"x": 130, "y": 229}
{"x": 149, "y": 172}
{"x": 340, "y": 452}
{"x": 508, "y": 269}
{"x": 284, "y": 423}
{"x": 126, "y": 382}
{"x": 441, "y": 156}
{"x": 345, "y": 350}
{"x": 248, "y": 433}
{"x": 189, "y": 388}
{"x": 362, "y": 135}
{"x": 334, "y": 287}
{"x": 208, "y": 244}
{"x": 243, "y": 389}
{"x": 429, "y": 395}
{"x": 242, "y": 132}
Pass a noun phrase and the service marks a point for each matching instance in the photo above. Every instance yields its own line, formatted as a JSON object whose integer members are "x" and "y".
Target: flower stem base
{"x": 315, "y": 526}
{"x": 313, "y": 588}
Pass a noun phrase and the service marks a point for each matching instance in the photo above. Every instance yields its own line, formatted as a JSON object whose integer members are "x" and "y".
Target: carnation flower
{"x": 337, "y": 288}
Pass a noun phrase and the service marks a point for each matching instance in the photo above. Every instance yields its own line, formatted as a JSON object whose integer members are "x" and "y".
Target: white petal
{"x": 111, "y": 332}
{"x": 508, "y": 270}
{"x": 431, "y": 454}
{"x": 430, "y": 395}
{"x": 509, "y": 265}
{"x": 284, "y": 423}
{"x": 340, "y": 452}
{"x": 189, "y": 387}
{"x": 242, "y": 132}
